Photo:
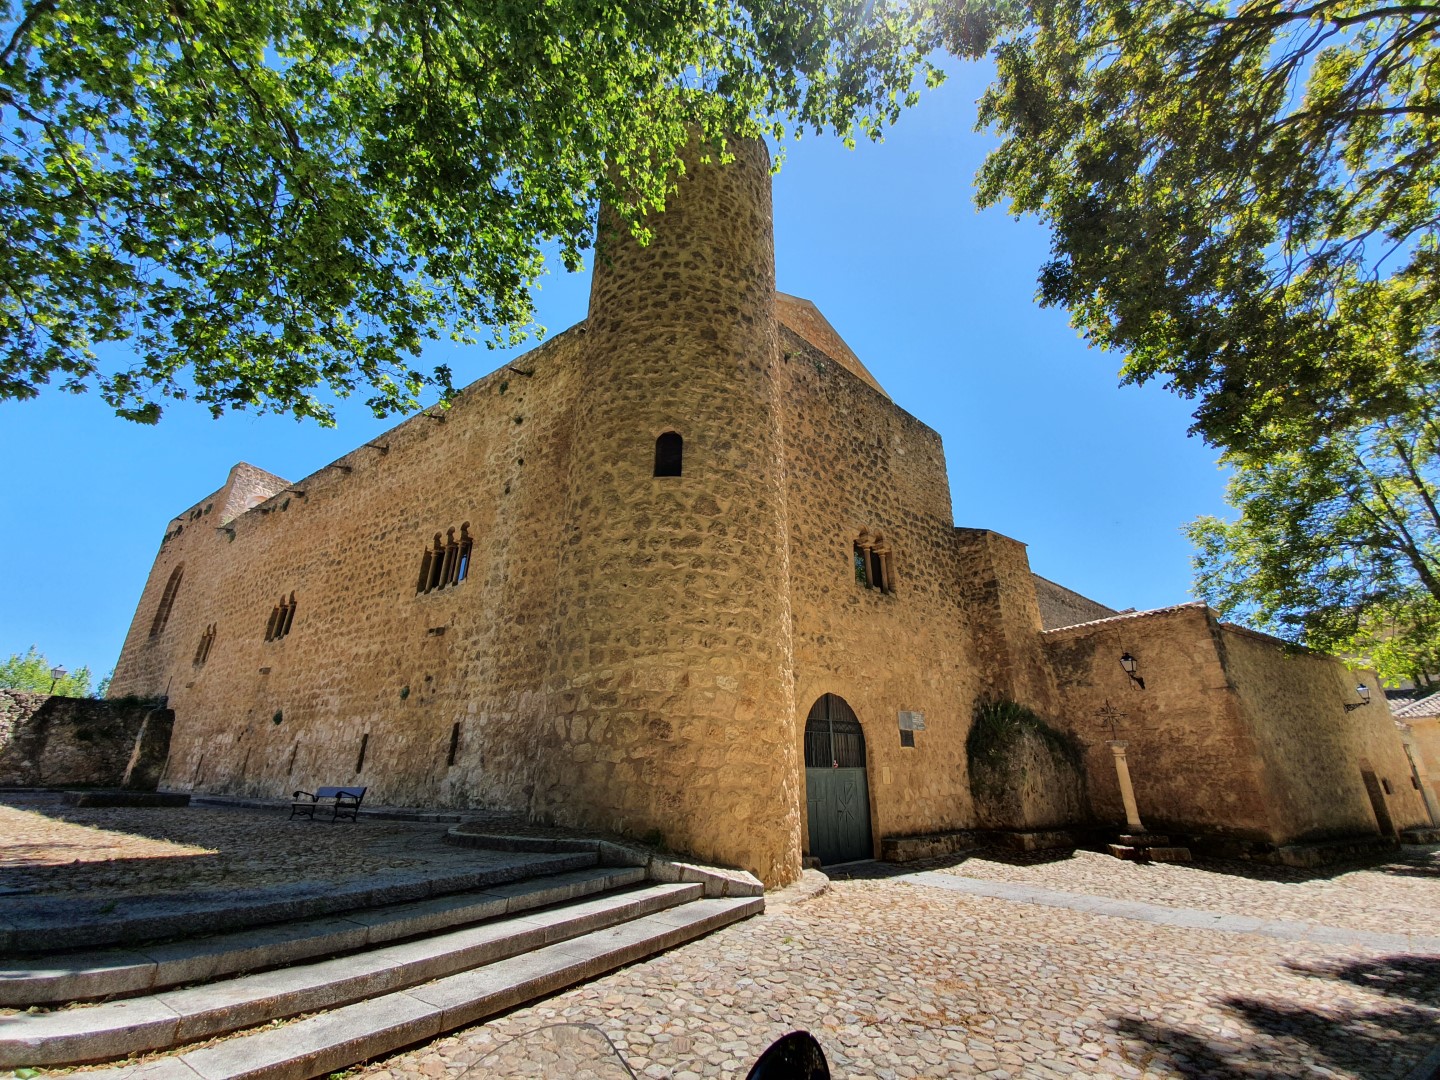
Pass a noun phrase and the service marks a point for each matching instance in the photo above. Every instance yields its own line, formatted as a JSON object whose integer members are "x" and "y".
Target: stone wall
{"x": 1060, "y": 606}
{"x": 670, "y": 683}
{"x": 1195, "y": 763}
{"x": 1034, "y": 786}
{"x": 1234, "y": 734}
{"x": 79, "y": 742}
{"x": 1002, "y": 619}
{"x": 1314, "y": 751}
{"x": 369, "y": 661}
{"x": 1421, "y": 739}
{"x": 855, "y": 463}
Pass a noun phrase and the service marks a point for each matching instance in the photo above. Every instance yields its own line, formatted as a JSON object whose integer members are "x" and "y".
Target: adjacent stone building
{"x": 688, "y": 573}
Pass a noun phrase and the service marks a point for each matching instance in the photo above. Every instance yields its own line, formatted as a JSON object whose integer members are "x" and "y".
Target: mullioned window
{"x": 446, "y": 562}
{"x": 282, "y": 617}
{"x": 874, "y": 568}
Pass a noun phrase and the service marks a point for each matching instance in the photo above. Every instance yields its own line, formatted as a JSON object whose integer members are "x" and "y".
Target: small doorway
{"x": 1377, "y": 800}
{"x": 837, "y": 793}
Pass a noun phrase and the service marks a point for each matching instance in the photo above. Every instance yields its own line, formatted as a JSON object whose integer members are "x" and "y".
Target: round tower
{"x": 671, "y": 683}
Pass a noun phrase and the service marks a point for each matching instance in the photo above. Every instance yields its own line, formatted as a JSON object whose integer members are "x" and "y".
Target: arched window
{"x": 446, "y": 562}
{"x": 669, "y": 454}
{"x": 167, "y": 601}
{"x": 833, "y": 736}
{"x": 873, "y": 567}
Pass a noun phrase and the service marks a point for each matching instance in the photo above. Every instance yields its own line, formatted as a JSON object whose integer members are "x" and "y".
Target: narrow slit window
{"x": 437, "y": 565}
{"x": 360, "y": 761}
{"x": 167, "y": 601}
{"x": 454, "y": 745}
{"x": 202, "y": 651}
{"x": 669, "y": 454}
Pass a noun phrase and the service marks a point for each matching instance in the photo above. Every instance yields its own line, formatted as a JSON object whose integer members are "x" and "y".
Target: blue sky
{"x": 936, "y": 298}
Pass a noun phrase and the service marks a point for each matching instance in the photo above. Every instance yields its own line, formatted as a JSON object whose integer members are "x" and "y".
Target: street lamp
{"x": 1364, "y": 692}
{"x": 1129, "y": 663}
{"x": 56, "y": 674}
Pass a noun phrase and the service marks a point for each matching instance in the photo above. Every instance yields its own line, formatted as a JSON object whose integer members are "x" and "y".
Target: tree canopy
{"x": 31, "y": 671}
{"x": 1243, "y": 195}
{"x": 1244, "y": 200}
{"x": 1338, "y": 545}
{"x": 247, "y": 201}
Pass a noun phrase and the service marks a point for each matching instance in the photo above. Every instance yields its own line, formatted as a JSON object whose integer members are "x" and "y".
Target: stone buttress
{"x": 671, "y": 682}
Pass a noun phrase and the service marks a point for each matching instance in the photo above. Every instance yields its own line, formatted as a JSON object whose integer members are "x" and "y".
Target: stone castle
{"x": 687, "y": 573}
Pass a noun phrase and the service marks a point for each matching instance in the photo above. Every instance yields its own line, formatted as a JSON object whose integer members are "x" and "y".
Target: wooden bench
{"x": 343, "y": 801}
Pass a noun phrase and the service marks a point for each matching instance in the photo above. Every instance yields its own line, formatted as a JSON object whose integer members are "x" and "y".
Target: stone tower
{"x": 671, "y": 684}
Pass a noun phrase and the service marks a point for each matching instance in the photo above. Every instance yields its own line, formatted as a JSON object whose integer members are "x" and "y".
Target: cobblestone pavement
{"x": 1397, "y": 896}
{"x": 899, "y": 979}
{"x": 47, "y": 847}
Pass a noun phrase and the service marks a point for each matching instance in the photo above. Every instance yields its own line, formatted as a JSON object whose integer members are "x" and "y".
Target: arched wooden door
{"x": 837, "y": 793}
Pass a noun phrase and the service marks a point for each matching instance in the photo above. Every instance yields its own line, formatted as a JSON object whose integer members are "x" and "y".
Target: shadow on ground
{"x": 1287, "y": 1039}
{"x": 1413, "y": 978}
{"x": 1421, "y": 862}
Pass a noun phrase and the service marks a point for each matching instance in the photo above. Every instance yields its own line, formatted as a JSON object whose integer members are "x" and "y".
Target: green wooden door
{"x": 837, "y": 793}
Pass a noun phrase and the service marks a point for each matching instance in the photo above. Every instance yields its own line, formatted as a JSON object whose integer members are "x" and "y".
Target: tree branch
{"x": 42, "y": 7}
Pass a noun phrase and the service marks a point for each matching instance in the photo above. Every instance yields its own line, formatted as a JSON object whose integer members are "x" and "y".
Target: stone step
{"x": 333, "y": 1041}
{"x": 176, "y": 1017}
{"x": 1168, "y": 853}
{"x": 127, "y": 972}
{"x": 1145, "y": 839}
{"x": 463, "y": 836}
{"x": 1146, "y": 853}
{"x": 96, "y": 924}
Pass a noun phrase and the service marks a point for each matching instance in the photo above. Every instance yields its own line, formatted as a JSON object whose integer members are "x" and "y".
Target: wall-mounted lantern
{"x": 56, "y": 674}
{"x": 1364, "y": 692}
{"x": 1129, "y": 663}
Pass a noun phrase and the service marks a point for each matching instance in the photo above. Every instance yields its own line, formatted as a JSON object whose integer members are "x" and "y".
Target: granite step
{"x": 334, "y": 1041}
{"x": 1149, "y": 852}
{"x": 94, "y": 923}
{"x": 114, "y": 973}
{"x": 174, "y": 1018}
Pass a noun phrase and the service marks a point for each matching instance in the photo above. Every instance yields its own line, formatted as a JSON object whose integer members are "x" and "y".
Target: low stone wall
{"x": 1033, "y": 787}
{"x": 930, "y": 845}
{"x": 50, "y": 741}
